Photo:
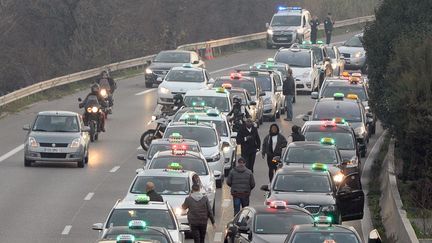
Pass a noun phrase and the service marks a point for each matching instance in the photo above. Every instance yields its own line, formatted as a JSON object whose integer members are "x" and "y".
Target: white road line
{"x": 228, "y": 68}
{"x": 217, "y": 237}
{"x": 12, "y": 152}
{"x": 145, "y": 91}
{"x": 114, "y": 169}
{"x": 66, "y": 230}
{"x": 299, "y": 116}
{"x": 226, "y": 203}
{"x": 89, "y": 196}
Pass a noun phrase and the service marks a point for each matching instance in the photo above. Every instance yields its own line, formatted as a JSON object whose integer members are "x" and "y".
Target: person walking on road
{"x": 314, "y": 23}
{"x": 288, "y": 89}
{"x": 242, "y": 181}
{"x": 272, "y": 146}
{"x": 199, "y": 212}
{"x": 151, "y": 193}
{"x": 328, "y": 27}
{"x": 250, "y": 142}
{"x": 296, "y": 134}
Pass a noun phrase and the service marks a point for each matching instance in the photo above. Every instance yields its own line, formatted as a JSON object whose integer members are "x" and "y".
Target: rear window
{"x": 185, "y": 76}
{"x": 153, "y": 217}
{"x": 330, "y": 90}
{"x": 294, "y": 58}
{"x": 188, "y": 163}
{"x": 322, "y": 236}
{"x": 343, "y": 141}
{"x": 154, "y": 148}
{"x": 279, "y": 223}
{"x": 221, "y": 103}
{"x": 173, "y": 57}
{"x": 310, "y": 155}
{"x": 350, "y": 111}
{"x": 205, "y": 136}
{"x": 355, "y": 41}
{"x": 240, "y": 83}
{"x": 265, "y": 82}
{"x": 164, "y": 185}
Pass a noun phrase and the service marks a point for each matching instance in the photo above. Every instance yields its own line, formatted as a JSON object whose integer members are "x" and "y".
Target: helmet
{"x": 178, "y": 99}
{"x": 237, "y": 99}
{"x": 104, "y": 73}
{"x": 95, "y": 88}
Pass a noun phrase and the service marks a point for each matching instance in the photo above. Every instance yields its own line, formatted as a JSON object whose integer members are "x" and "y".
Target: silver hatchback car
{"x": 57, "y": 136}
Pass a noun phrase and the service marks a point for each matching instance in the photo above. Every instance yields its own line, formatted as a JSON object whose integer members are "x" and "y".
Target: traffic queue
{"x": 206, "y": 135}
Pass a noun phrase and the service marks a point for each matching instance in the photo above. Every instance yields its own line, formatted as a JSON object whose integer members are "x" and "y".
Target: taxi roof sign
{"x": 213, "y": 112}
{"x": 323, "y": 220}
{"x": 339, "y": 120}
{"x": 319, "y": 166}
{"x": 175, "y": 166}
{"x": 345, "y": 74}
{"x": 178, "y": 149}
{"x": 220, "y": 90}
{"x": 125, "y": 238}
{"x": 320, "y": 42}
{"x": 270, "y": 60}
{"x": 352, "y": 96}
{"x": 338, "y": 96}
{"x": 359, "y": 75}
{"x": 142, "y": 199}
{"x": 327, "y": 141}
{"x": 175, "y": 138}
{"x": 191, "y": 120}
{"x": 187, "y": 65}
{"x": 227, "y": 86}
{"x": 137, "y": 224}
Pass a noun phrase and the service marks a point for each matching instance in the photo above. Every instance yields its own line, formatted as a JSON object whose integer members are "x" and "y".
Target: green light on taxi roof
{"x": 323, "y": 219}
{"x": 320, "y": 42}
{"x": 192, "y": 120}
{"x": 327, "y": 141}
{"x": 306, "y": 43}
{"x": 125, "y": 238}
{"x": 175, "y": 166}
{"x": 270, "y": 60}
{"x": 200, "y": 103}
{"x": 142, "y": 199}
{"x": 338, "y": 95}
{"x": 319, "y": 166}
{"x": 137, "y": 224}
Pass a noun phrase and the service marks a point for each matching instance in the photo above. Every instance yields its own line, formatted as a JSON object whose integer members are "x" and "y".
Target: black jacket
{"x": 199, "y": 209}
{"x": 280, "y": 144}
{"x": 154, "y": 196}
{"x": 328, "y": 24}
{"x": 289, "y": 86}
{"x": 249, "y": 141}
{"x": 89, "y": 100}
{"x": 314, "y": 25}
{"x": 297, "y": 137}
{"x": 112, "y": 83}
{"x": 241, "y": 180}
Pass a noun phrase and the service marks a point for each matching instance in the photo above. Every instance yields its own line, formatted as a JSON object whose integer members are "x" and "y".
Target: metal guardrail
{"x": 44, "y": 85}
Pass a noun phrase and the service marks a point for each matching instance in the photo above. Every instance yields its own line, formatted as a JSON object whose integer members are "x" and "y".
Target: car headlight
{"x": 267, "y": 101}
{"x": 216, "y": 156}
{"x": 32, "y": 142}
{"x": 226, "y": 149}
{"x": 338, "y": 177}
{"x": 75, "y": 143}
{"x": 180, "y": 211}
{"x": 148, "y": 71}
{"x": 329, "y": 208}
{"x": 359, "y": 54}
{"x": 164, "y": 90}
{"x": 360, "y": 131}
{"x": 210, "y": 188}
{"x": 270, "y": 31}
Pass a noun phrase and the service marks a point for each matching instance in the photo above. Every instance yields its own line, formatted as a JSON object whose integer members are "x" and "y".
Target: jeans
{"x": 240, "y": 201}
{"x": 289, "y": 106}
{"x": 198, "y": 233}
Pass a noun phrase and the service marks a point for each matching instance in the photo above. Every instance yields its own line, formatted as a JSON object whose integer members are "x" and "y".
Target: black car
{"x": 314, "y": 190}
{"x": 265, "y": 223}
{"x": 165, "y": 60}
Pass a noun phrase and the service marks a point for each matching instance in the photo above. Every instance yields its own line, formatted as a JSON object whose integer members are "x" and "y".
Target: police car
{"x": 136, "y": 231}
{"x": 164, "y": 144}
{"x": 181, "y": 79}
{"x": 350, "y": 109}
{"x": 215, "y": 98}
{"x": 288, "y": 25}
{"x": 341, "y": 134}
{"x": 207, "y": 136}
{"x": 212, "y": 115}
{"x": 269, "y": 223}
{"x": 156, "y": 214}
{"x": 174, "y": 184}
{"x": 322, "y": 230}
{"x": 314, "y": 190}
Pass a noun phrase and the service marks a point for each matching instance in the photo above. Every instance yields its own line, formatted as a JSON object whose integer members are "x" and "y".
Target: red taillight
{"x": 235, "y": 76}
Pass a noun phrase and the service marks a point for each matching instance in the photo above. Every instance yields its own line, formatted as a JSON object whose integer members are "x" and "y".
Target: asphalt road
{"x": 54, "y": 202}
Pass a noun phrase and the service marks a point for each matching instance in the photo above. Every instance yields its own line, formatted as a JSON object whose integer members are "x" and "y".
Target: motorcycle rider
{"x": 94, "y": 98}
{"x": 170, "y": 110}
{"x": 108, "y": 83}
{"x": 238, "y": 113}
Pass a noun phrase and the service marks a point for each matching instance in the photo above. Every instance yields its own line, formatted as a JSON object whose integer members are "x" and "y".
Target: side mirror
{"x": 142, "y": 157}
{"x": 159, "y": 79}
{"x": 265, "y": 188}
{"x": 139, "y": 170}
{"x": 211, "y": 81}
{"x": 184, "y": 228}
{"x": 314, "y": 95}
{"x": 252, "y": 103}
{"x": 262, "y": 93}
{"x": 195, "y": 62}
{"x": 85, "y": 129}
{"x": 374, "y": 237}
{"x": 98, "y": 226}
{"x": 306, "y": 118}
{"x": 26, "y": 127}
{"x": 217, "y": 173}
{"x": 234, "y": 135}
{"x": 243, "y": 229}
{"x": 79, "y": 99}
{"x": 267, "y": 25}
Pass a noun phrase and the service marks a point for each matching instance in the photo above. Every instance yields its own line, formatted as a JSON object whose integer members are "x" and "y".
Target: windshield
{"x": 279, "y": 223}
{"x": 264, "y": 82}
{"x": 46, "y": 123}
{"x": 294, "y": 59}
{"x": 240, "y": 83}
{"x": 164, "y": 147}
{"x": 318, "y": 54}
{"x": 330, "y": 52}
{"x": 344, "y": 141}
{"x": 140, "y": 236}
{"x": 164, "y": 185}
{"x": 302, "y": 183}
{"x": 322, "y": 236}
{"x": 241, "y": 95}
{"x": 310, "y": 155}
{"x": 185, "y": 76}
{"x": 329, "y": 91}
{"x": 347, "y": 110}
{"x": 355, "y": 41}
{"x": 221, "y": 103}
{"x": 187, "y": 163}
{"x": 221, "y": 127}
{"x": 153, "y": 217}
{"x": 173, "y": 57}
{"x": 286, "y": 20}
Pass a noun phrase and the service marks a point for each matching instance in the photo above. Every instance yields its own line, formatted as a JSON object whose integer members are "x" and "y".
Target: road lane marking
{"x": 11, "y": 153}
{"x": 113, "y": 170}
{"x": 66, "y": 230}
{"x": 217, "y": 237}
{"x": 145, "y": 91}
{"x": 299, "y": 116}
{"x": 226, "y": 203}
{"x": 89, "y": 196}
{"x": 228, "y": 68}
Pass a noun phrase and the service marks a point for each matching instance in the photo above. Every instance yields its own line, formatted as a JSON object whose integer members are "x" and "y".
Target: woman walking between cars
{"x": 273, "y": 144}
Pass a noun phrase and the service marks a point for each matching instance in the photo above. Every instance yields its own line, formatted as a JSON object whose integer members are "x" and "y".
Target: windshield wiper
{"x": 39, "y": 130}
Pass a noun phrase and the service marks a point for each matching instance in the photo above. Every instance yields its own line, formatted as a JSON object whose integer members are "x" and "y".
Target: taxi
{"x": 157, "y": 214}
{"x": 136, "y": 231}
{"x": 173, "y": 183}
{"x": 270, "y": 223}
{"x": 215, "y": 98}
{"x": 314, "y": 190}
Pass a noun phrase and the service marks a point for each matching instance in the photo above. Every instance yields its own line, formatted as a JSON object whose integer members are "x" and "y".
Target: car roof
{"x": 117, "y": 230}
{"x": 300, "y": 169}
{"x": 290, "y": 209}
{"x": 168, "y": 153}
{"x": 342, "y": 82}
{"x": 165, "y": 173}
{"x": 333, "y": 100}
{"x": 282, "y": 49}
{"x": 248, "y": 78}
{"x": 123, "y": 204}
{"x": 206, "y": 92}
{"x": 310, "y": 144}
{"x": 58, "y": 113}
{"x": 166, "y": 141}
{"x": 178, "y": 51}
{"x": 182, "y": 68}
{"x": 293, "y": 13}
{"x": 317, "y": 126}
{"x": 323, "y": 227}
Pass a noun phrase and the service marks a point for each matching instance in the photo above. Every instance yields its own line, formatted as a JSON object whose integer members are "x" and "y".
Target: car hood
{"x": 209, "y": 151}
{"x": 54, "y": 137}
{"x": 347, "y": 154}
{"x": 354, "y": 125}
{"x": 268, "y": 238}
{"x": 297, "y": 198}
{"x": 164, "y": 65}
{"x": 182, "y": 86}
{"x": 298, "y": 71}
{"x": 284, "y": 28}
{"x": 350, "y": 49}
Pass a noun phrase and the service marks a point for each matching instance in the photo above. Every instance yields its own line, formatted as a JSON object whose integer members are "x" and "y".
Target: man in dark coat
{"x": 250, "y": 142}
{"x": 151, "y": 193}
{"x": 314, "y": 23}
{"x": 328, "y": 27}
{"x": 288, "y": 89}
{"x": 272, "y": 146}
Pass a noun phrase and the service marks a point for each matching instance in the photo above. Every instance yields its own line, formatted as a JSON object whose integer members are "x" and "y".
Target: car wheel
{"x": 149, "y": 85}
{"x": 27, "y": 162}
{"x": 81, "y": 163}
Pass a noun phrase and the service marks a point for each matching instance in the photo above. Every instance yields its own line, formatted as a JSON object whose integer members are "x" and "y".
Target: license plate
{"x": 281, "y": 38}
{"x": 52, "y": 150}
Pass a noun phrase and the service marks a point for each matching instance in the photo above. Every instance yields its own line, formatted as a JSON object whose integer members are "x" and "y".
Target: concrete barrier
{"x": 394, "y": 218}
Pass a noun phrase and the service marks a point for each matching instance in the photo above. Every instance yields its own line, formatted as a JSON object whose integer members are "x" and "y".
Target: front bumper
{"x": 217, "y": 165}
{"x": 281, "y": 38}
{"x": 152, "y": 78}
{"x": 269, "y": 110}
{"x": 303, "y": 84}
{"x": 54, "y": 154}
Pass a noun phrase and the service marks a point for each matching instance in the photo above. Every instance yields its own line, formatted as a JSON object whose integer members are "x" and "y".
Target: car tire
{"x": 27, "y": 162}
{"x": 149, "y": 85}
{"x": 81, "y": 163}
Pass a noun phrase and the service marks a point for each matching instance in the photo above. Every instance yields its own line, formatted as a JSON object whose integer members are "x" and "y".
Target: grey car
{"x": 57, "y": 136}
{"x": 354, "y": 53}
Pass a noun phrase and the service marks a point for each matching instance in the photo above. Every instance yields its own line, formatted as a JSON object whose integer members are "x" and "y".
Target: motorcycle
{"x": 161, "y": 124}
{"x": 107, "y": 95}
{"x": 91, "y": 119}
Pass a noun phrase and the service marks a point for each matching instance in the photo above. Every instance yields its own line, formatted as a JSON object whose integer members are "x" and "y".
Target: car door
{"x": 350, "y": 197}
{"x": 278, "y": 88}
